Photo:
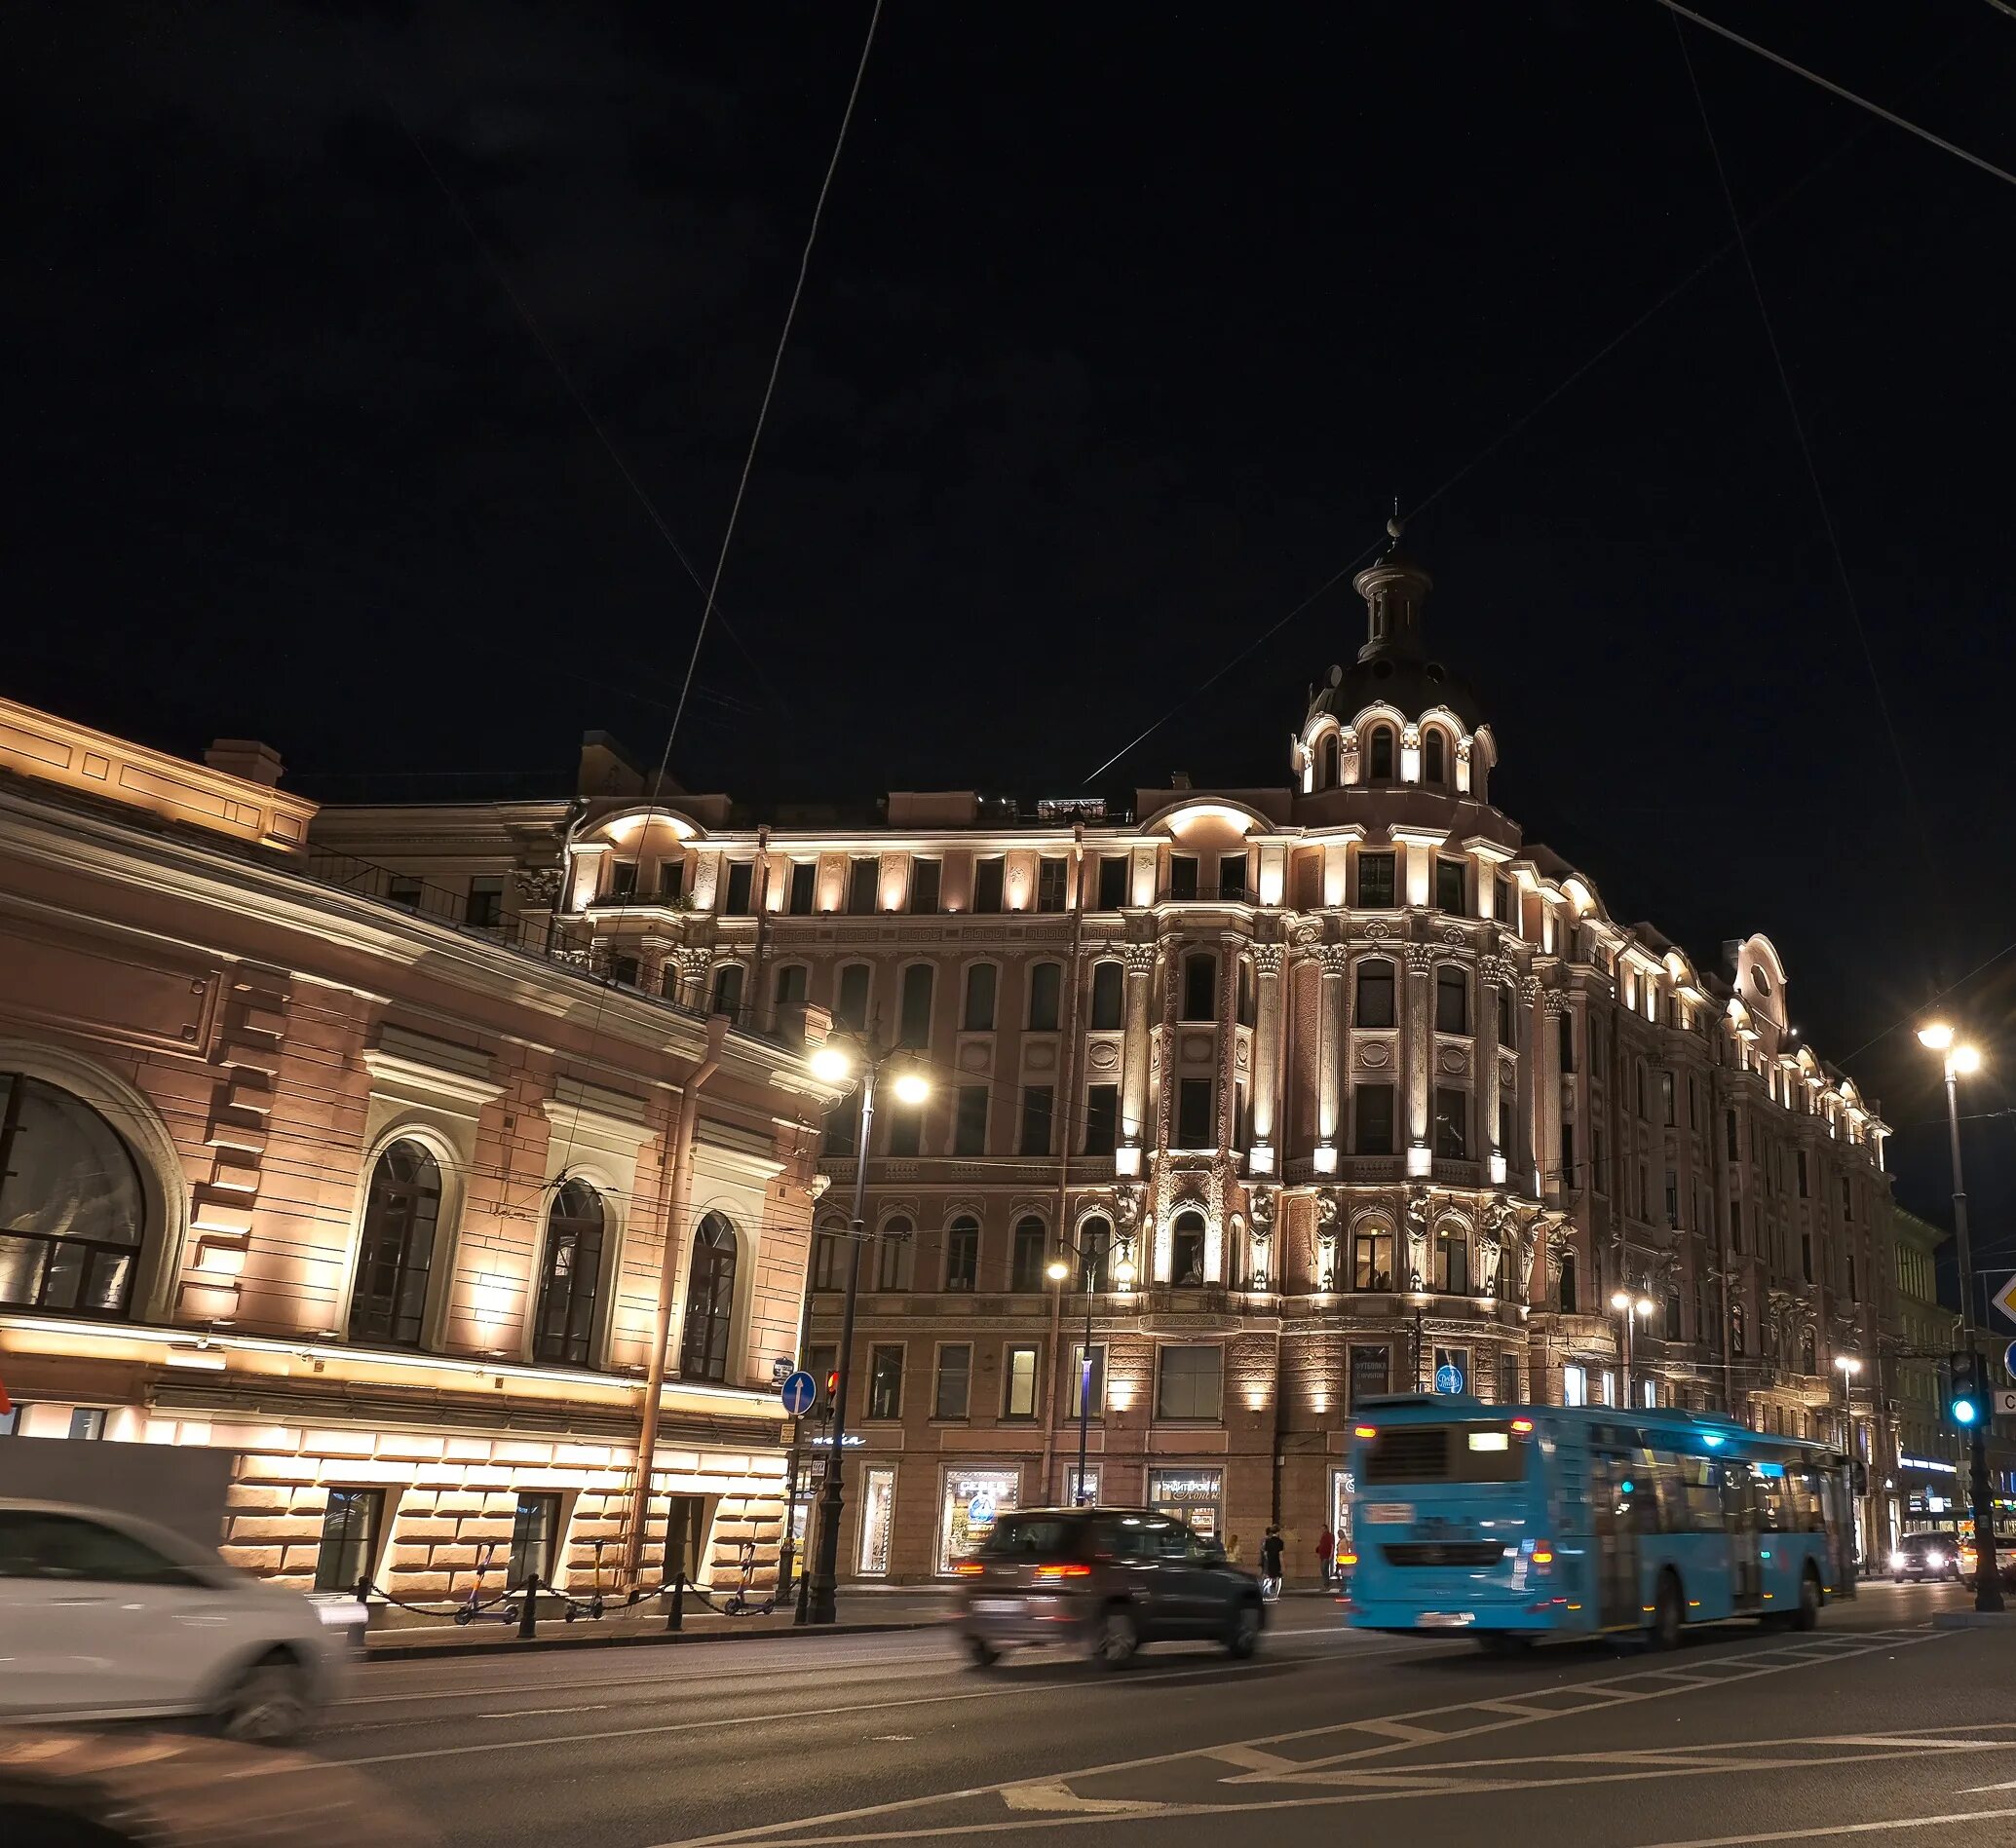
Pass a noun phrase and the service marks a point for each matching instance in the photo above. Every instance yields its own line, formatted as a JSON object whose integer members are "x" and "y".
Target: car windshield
{"x": 1026, "y": 1536}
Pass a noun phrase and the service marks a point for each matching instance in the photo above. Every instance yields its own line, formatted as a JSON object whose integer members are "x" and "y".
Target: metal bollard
{"x": 528, "y": 1616}
{"x": 675, "y": 1608}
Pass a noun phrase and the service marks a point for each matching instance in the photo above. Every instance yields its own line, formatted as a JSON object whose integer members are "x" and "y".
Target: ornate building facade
{"x": 1319, "y": 1093}
{"x": 376, "y": 1198}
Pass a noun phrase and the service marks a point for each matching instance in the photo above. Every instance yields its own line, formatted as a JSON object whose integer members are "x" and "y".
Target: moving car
{"x": 1105, "y": 1579}
{"x": 105, "y": 1616}
{"x": 1919, "y": 1555}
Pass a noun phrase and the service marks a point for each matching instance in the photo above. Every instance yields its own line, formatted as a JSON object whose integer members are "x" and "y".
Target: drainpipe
{"x": 1064, "y": 1122}
{"x": 677, "y": 1192}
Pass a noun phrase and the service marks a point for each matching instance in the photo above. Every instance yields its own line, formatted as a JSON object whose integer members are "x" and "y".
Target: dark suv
{"x": 1106, "y": 1579}
{"x": 1926, "y": 1555}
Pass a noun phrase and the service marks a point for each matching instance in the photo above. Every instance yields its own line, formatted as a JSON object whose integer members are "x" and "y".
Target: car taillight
{"x": 1543, "y": 1552}
{"x": 1366, "y": 1430}
{"x": 1050, "y": 1574}
{"x": 969, "y": 1569}
{"x": 1346, "y": 1559}
{"x": 1524, "y": 1427}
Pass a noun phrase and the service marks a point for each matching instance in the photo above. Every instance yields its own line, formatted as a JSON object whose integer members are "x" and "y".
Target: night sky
{"x": 1124, "y": 325}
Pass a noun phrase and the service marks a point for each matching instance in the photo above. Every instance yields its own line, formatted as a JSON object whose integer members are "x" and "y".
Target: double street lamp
{"x": 1631, "y": 1308}
{"x": 1058, "y": 1269}
{"x": 1960, "y": 1058}
{"x": 864, "y": 1061}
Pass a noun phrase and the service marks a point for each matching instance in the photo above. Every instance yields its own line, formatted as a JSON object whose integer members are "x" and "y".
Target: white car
{"x": 103, "y": 1616}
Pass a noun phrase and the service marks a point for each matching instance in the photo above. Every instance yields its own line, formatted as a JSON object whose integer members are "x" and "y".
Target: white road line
{"x": 1835, "y": 1833}
{"x": 541, "y": 1713}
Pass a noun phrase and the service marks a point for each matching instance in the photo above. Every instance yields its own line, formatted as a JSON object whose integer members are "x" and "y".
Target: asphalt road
{"x": 1874, "y": 1726}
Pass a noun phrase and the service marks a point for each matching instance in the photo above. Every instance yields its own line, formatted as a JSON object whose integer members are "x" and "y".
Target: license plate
{"x": 1387, "y": 1514}
{"x": 996, "y": 1606}
{"x": 1447, "y": 1619}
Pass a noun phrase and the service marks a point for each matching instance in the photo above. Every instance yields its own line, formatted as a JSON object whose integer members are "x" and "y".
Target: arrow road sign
{"x": 799, "y": 1392}
{"x": 2004, "y": 1298}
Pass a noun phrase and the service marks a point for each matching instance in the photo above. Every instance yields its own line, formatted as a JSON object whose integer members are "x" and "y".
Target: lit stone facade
{"x": 376, "y": 1202}
{"x": 1370, "y": 1092}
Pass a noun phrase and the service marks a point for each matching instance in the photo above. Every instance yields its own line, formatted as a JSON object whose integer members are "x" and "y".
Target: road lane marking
{"x": 1755, "y": 1667}
{"x": 1056, "y": 1797}
{"x": 1843, "y": 1829}
{"x": 541, "y": 1713}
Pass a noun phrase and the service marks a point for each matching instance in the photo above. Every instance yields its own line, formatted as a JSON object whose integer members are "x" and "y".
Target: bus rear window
{"x": 1445, "y": 1453}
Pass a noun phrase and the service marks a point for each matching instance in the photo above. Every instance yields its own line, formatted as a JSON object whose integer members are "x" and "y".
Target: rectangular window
{"x": 351, "y": 1523}
{"x": 925, "y": 877}
{"x": 1375, "y": 1119}
{"x": 1855, "y": 1295}
{"x": 1599, "y": 1169}
{"x": 1027, "y": 1256}
{"x": 1201, "y": 986}
{"x": 863, "y": 880}
{"x": 850, "y": 998}
{"x": 970, "y": 1126}
{"x": 1508, "y": 906}
{"x": 1805, "y": 1177}
{"x": 1019, "y": 1383}
{"x": 1728, "y": 1124}
{"x": 671, "y": 881}
{"x": 1190, "y": 1383}
{"x": 1038, "y": 1106}
{"x": 1102, "y": 1118}
{"x": 1452, "y": 999}
{"x": 1193, "y": 1113}
{"x": 1045, "y": 995}
{"x": 1108, "y": 989}
{"x": 906, "y": 1130}
{"x": 87, "y": 1423}
{"x": 878, "y": 1519}
{"x": 954, "y": 1387}
{"x": 1565, "y": 1040}
{"x": 405, "y": 891}
{"x": 1231, "y": 875}
{"x": 1735, "y": 1226}
{"x": 1575, "y": 1385}
{"x": 892, "y": 1260}
{"x": 989, "y": 876}
{"x": 1375, "y": 996}
{"x": 1078, "y": 1396}
{"x": 535, "y": 1529}
{"x": 622, "y": 880}
{"x": 742, "y": 881}
{"x": 830, "y": 1252}
{"x": 1450, "y": 887}
{"x": 1370, "y": 1369}
{"x": 961, "y": 1255}
{"x": 1376, "y": 881}
{"x": 804, "y": 877}
{"x": 1666, "y": 1099}
{"x": 1568, "y": 1177}
{"x": 485, "y": 906}
{"x": 914, "y": 1028}
{"x": 1672, "y": 1197}
{"x": 977, "y": 1015}
{"x": 886, "y": 1381}
{"x": 1452, "y": 1123}
{"x": 1181, "y": 875}
{"x": 1510, "y": 1388}
{"x": 1112, "y": 882}
{"x": 1051, "y": 877}
{"x": 1806, "y": 1256}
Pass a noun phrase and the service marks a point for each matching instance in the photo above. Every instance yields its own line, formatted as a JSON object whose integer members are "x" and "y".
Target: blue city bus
{"x": 1516, "y": 1523}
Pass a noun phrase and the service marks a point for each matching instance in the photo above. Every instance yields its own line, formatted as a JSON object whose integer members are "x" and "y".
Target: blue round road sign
{"x": 799, "y": 1393}
{"x": 2009, "y": 1357}
{"x": 1448, "y": 1378}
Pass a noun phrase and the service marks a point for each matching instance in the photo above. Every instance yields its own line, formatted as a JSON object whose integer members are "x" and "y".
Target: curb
{"x": 1973, "y": 1619}
{"x": 579, "y": 1640}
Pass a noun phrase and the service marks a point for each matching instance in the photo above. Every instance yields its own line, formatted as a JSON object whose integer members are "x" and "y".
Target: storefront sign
{"x": 1931, "y": 1464}
{"x": 1201, "y": 1486}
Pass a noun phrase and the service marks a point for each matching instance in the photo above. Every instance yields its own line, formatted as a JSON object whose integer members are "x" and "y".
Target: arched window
{"x": 1045, "y": 995}
{"x": 1326, "y": 761}
{"x": 1372, "y": 1255}
{"x": 850, "y": 998}
{"x": 728, "y": 989}
{"x": 1453, "y": 1260}
{"x": 1568, "y": 1283}
{"x": 829, "y": 1253}
{"x": 1096, "y": 1255}
{"x": 1107, "y": 990}
{"x": 1381, "y": 753}
{"x": 893, "y": 1261}
{"x": 1246, "y": 1006}
{"x": 1435, "y": 757}
{"x": 1808, "y": 1359}
{"x": 572, "y": 1277}
{"x": 1187, "y": 1250}
{"x": 709, "y": 1300}
{"x": 395, "y": 1259}
{"x": 1201, "y": 986}
{"x": 1028, "y": 1255}
{"x": 962, "y": 1253}
{"x": 1375, "y": 997}
{"x": 72, "y": 1214}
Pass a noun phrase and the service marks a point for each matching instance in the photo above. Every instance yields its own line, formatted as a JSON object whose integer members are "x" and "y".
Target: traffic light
{"x": 1966, "y": 1398}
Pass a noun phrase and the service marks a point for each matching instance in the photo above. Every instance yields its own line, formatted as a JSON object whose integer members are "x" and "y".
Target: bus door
{"x": 1614, "y": 1487}
{"x": 1739, "y": 1516}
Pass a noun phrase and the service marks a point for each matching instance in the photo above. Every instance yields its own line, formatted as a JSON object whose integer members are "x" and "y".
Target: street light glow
{"x": 1848, "y": 1363}
{"x": 1056, "y": 1270}
{"x": 1965, "y": 1058}
{"x": 1936, "y": 1033}
{"x": 1620, "y": 1300}
{"x": 832, "y": 1063}
{"x": 911, "y": 1087}
{"x": 1647, "y": 1307}
{"x": 1123, "y": 1274}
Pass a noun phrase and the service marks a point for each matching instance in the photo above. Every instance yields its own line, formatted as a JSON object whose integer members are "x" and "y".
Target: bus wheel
{"x": 1667, "y": 1615}
{"x": 1809, "y": 1617}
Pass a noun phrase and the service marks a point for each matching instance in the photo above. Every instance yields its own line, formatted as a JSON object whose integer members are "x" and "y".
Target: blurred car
{"x": 105, "y": 1616}
{"x": 1107, "y": 1579}
{"x": 2005, "y": 1561}
{"x": 62, "y": 1790}
{"x": 1919, "y": 1555}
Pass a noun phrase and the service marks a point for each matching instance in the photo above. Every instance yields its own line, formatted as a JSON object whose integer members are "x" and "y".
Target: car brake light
{"x": 1050, "y": 1574}
{"x": 1366, "y": 1430}
{"x": 1524, "y": 1427}
{"x": 1346, "y": 1559}
{"x": 969, "y": 1569}
{"x": 1543, "y": 1552}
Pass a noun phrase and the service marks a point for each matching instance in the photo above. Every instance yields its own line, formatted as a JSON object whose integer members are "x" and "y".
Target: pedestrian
{"x": 1271, "y": 1564}
{"x": 1232, "y": 1549}
{"x": 1326, "y": 1546}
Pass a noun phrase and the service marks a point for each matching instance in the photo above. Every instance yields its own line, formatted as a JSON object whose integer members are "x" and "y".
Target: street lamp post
{"x": 1058, "y": 1269}
{"x": 865, "y": 1063}
{"x": 1957, "y": 1057}
{"x": 1630, "y": 1308}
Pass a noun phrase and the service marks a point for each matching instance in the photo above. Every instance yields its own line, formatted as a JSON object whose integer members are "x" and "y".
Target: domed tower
{"x": 1395, "y": 716}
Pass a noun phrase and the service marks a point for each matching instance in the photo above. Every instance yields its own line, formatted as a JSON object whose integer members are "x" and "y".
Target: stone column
{"x": 1267, "y": 1051}
{"x": 1552, "y": 1181}
{"x": 1520, "y": 1140}
{"x": 693, "y": 962}
{"x": 1493, "y": 973}
{"x": 1331, "y": 1023}
{"x": 1417, "y": 1019}
{"x": 1133, "y": 1106}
